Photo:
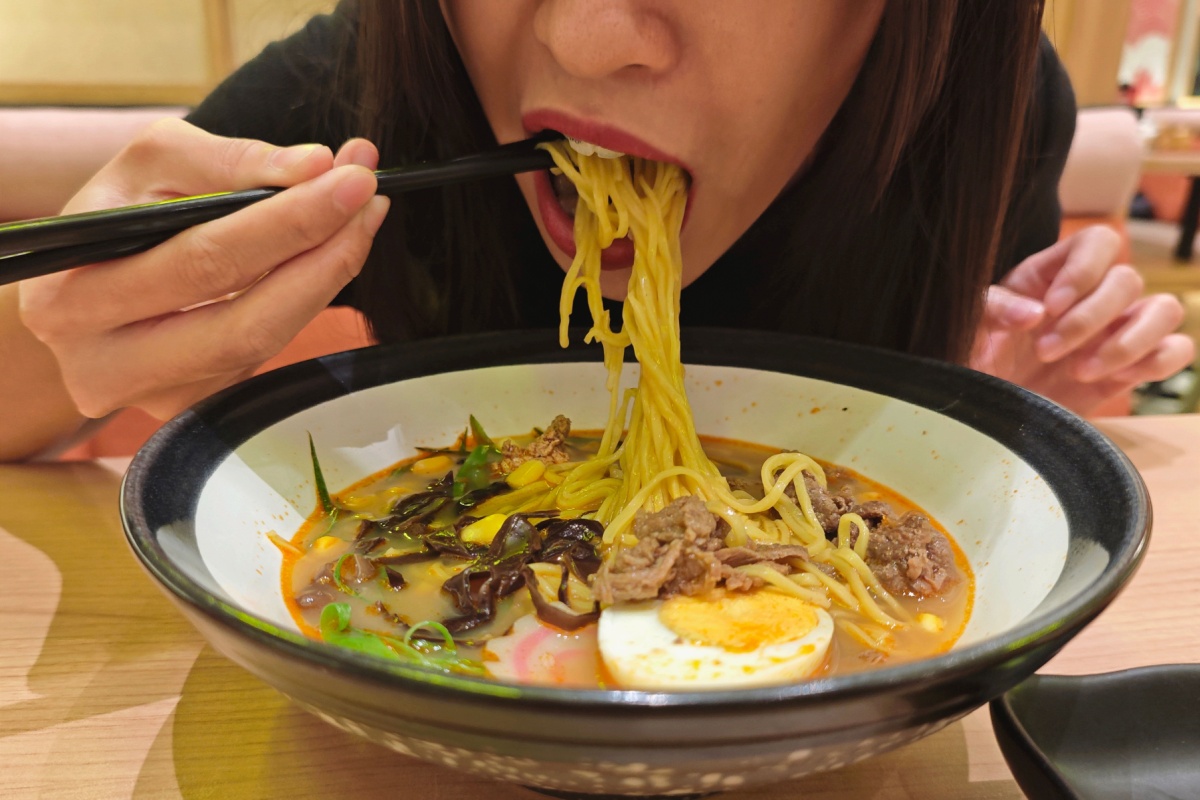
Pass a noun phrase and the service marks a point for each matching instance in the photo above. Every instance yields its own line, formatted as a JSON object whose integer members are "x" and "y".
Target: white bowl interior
{"x": 993, "y": 503}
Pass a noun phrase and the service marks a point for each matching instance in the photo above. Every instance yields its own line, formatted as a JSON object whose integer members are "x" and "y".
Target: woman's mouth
{"x": 557, "y": 197}
{"x": 565, "y": 191}
{"x": 557, "y": 200}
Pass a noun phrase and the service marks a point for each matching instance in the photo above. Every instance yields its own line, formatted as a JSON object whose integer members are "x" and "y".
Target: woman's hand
{"x": 1073, "y": 325}
{"x": 165, "y": 328}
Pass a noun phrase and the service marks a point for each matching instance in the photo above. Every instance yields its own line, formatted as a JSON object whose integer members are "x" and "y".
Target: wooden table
{"x": 106, "y": 692}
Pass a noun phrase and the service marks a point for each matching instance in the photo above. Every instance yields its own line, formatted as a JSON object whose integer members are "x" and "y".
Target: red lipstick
{"x": 597, "y": 133}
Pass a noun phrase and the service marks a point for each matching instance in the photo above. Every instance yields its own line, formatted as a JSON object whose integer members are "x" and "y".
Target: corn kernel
{"x": 433, "y": 465}
{"x": 326, "y": 543}
{"x": 931, "y": 622}
{"x": 356, "y": 502}
{"x": 526, "y": 474}
{"x": 482, "y": 531}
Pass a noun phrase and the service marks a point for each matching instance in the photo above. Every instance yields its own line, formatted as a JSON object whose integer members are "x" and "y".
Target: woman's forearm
{"x": 36, "y": 411}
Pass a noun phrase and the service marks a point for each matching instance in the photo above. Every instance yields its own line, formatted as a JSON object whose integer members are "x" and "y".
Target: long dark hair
{"x": 910, "y": 183}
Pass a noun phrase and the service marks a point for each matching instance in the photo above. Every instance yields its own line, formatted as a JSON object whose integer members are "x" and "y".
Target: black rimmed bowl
{"x": 1053, "y": 518}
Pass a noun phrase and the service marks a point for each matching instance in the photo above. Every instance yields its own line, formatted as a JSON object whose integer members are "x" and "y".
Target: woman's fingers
{"x": 201, "y": 347}
{"x": 1033, "y": 276}
{"x": 1137, "y": 333}
{"x": 1117, "y": 291}
{"x": 1173, "y": 353}
{"x": 164, "y": 328}
{"x": 1096, "y": 336}
{"x": 209, "y": 261}
{"x": 1070, "y": 269}
{"x": 1086, "y": 267}
{"x": 1005, "y": 309}
{"x": 152, "y": 164}
{"x": 1002, "y": 345}
{"x": 357, "y": 151}
{"x": 230, "y": 253}
{"x": 311, "y": 281}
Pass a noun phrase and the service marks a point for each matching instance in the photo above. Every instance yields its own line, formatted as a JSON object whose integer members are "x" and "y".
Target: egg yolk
{"x": 738, "y": 621}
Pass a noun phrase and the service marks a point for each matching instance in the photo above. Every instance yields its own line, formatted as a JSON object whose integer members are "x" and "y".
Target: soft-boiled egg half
{"x": 716, "y": 641}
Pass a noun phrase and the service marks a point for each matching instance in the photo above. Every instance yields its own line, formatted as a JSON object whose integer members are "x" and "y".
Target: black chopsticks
{"x": 41, "y": 246}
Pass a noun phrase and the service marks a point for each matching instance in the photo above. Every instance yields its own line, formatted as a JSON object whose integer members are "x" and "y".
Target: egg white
{"x": 640, "y": 652}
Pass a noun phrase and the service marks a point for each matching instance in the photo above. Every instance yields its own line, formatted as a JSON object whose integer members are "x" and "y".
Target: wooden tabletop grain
{"x": 106, "y": 692}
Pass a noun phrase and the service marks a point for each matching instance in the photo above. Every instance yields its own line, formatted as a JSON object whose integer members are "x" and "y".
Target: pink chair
{"x": 1102, "y": 170}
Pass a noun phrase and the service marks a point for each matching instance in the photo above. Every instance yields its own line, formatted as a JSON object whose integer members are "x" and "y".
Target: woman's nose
{"x": 599, "y": 38}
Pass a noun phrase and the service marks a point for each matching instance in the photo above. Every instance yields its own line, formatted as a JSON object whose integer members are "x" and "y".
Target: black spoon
{"x": 1131, "y": 734}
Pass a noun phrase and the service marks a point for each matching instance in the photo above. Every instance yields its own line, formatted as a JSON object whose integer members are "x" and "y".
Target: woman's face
{"x": 736, "y": 92}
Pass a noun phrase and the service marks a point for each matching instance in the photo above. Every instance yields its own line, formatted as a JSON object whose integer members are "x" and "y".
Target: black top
{"x": 271, "y": 99}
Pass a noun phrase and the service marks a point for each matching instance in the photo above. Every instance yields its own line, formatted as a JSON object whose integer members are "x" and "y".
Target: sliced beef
{"x": 759, "y": 553}
{"x": 548, "y": 447}
{"x": 637, "y": 573}
{"x": 908, "y": 555}
{"x": 753, "y": 488}
{"x": 830, "y": 506}
{"x": 736, "y": 581}
{"x": 681, "y": 551}
{"x": 776, "y": 556}
{"x": 674, "y": 555}
{"x": 911, "y": 557}
{"x": 686, "y": 519}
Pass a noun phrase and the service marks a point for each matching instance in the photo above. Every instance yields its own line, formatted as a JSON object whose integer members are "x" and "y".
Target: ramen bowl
{"x": 1051, "y": 516}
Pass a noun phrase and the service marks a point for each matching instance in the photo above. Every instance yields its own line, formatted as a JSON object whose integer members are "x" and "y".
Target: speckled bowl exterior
{"x": 1052, "y": 516}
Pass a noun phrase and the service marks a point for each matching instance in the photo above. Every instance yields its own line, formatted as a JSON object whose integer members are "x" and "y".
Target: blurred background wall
{"x": 121, "y": 52}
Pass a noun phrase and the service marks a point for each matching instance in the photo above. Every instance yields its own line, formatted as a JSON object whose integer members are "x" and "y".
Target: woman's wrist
{"x": 37, "y": 415}
{"x": 86, "y": 430}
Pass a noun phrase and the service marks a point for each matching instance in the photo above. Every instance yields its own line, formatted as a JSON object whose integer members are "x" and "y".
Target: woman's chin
{"x": 617, "y": 256}
{"x": 614, "y": 282}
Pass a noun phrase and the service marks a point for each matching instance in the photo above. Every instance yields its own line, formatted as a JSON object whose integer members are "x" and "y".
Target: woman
{"x": 860, "y": 171}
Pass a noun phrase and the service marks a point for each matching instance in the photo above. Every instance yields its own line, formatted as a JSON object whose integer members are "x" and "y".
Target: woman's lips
{"x": 561, "y": 228}
{"x": 559, "y": 225}
{"x": 597, "y": 133}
